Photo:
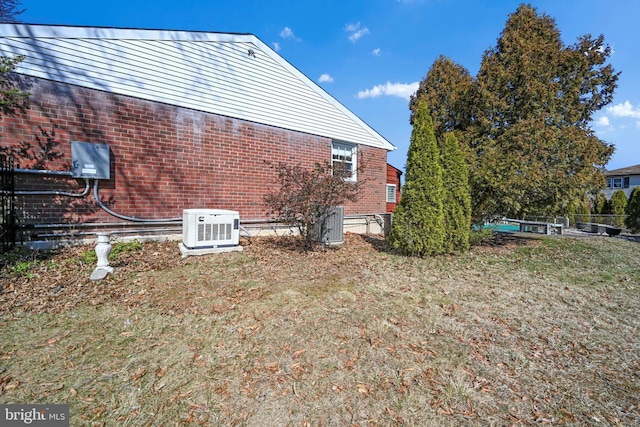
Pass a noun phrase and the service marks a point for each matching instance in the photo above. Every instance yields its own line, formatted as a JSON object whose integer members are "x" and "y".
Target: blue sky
{"x": 371, "y": 54}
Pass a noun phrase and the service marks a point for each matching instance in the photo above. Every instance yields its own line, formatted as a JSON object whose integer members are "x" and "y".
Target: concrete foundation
{"x": 196, "y": 252}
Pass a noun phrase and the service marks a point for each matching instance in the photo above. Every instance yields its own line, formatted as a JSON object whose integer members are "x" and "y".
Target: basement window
{"x": 345, "y": 156}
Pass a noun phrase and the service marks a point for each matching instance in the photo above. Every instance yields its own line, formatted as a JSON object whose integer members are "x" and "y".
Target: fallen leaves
{"x": 53, "y": 340}
{"x": 8, "y": 383}
{"x": 139, "y": 373}
{"x": 348, "y": 336}
{"x": 364, "y": 389}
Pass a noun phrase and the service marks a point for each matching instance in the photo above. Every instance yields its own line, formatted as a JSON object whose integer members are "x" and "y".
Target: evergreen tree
{"x": 598, "y": 207}
{"x": 618, "y": 206}
{"x": 633, "y": 211}
{"x": 599, "y": 204}
{"x": 578, "y": 211}
{"x": 532, "y": 135}
{"x": 524, "y": 121}
{"x": 445, "y": 89}
{"x": 457, "y": 200}
{"x": 418, "y": 220}
{"x": 618, "y": 203}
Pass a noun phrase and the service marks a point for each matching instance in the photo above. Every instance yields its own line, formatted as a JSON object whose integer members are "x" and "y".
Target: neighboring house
{"x": 188, "y": 119}
{"x": 393, "y": 187}
{"x": 625, "y": 179}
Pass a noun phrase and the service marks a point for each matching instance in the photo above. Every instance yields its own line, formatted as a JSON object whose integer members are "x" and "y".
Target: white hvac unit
{"x": 210, "y": 228}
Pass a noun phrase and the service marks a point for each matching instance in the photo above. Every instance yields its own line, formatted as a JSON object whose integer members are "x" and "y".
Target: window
{"x": 391, "y": 193}
{"x": 614, "y": 183}
{"x": 345, "y": 155}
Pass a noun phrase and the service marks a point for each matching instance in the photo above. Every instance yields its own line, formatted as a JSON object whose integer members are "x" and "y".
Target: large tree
{"x": 531, "y": 134}
{"x": 524, "y": 121}
{"x": 418, "y": 220}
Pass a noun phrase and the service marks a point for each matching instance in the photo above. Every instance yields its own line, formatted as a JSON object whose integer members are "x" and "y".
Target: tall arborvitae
{"x": 632, "y": 221}
{"x": 418, "y": 220}
{"x": 599, "y": 204}
{"x": 618, "y": 206}
{"x": 457, "y": 198}
{"x": 618, "y": 203}
{"x": 578, "y": 211}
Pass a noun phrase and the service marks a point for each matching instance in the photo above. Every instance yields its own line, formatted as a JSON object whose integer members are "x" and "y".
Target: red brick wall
{"x": 163, "y": 158}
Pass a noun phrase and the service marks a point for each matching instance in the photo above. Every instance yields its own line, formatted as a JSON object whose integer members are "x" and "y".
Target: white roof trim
{"x": 210, "y": 72}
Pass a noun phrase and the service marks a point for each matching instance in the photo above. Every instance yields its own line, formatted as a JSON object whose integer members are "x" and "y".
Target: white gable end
{"x": 232, "y": 75}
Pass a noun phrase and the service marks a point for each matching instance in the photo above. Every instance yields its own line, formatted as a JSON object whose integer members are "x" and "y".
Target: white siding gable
{"x": 234, "y": 75}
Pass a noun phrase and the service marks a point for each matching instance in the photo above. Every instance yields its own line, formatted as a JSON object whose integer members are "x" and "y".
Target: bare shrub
{"x": 303, "y": 197}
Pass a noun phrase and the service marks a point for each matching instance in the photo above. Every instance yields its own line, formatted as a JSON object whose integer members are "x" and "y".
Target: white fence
{"x": 613, "y": 220}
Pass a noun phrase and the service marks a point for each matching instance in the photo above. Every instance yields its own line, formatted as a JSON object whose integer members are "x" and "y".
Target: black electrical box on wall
{"x": 89, "y": 160}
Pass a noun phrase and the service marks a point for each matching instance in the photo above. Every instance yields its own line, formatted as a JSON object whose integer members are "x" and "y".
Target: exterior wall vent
{"x": 210, "y": 228}
{"x": 329, "y": 229}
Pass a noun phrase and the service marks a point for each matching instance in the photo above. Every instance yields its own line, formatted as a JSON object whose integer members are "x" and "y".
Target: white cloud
{"x": 325, "y": 78}
{"x": 356, "y": 31}
{"x": 358, "y": 34}
{"x": 287, "y": 33}
{"x": 350, "y": 28}
{"x": 376, "y": 52}
{"x": 626, "y": 109}
{"x": 401, "y": 90}
{"x": 603, "y": 121}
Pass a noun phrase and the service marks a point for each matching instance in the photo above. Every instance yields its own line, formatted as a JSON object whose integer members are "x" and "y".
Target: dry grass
{"x": 524, "y": 332}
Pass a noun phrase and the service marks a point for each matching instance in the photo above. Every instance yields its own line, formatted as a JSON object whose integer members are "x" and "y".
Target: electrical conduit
{"x": 55, "y": 192}
{"x": 96, "y": 196}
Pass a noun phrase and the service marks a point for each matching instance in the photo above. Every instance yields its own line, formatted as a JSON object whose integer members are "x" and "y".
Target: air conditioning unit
{"x": 329, "y": 229}
{"x": 210, "y": 228}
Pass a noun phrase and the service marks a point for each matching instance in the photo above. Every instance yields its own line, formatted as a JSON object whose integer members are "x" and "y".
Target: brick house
{"x": 189, "y": 120}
